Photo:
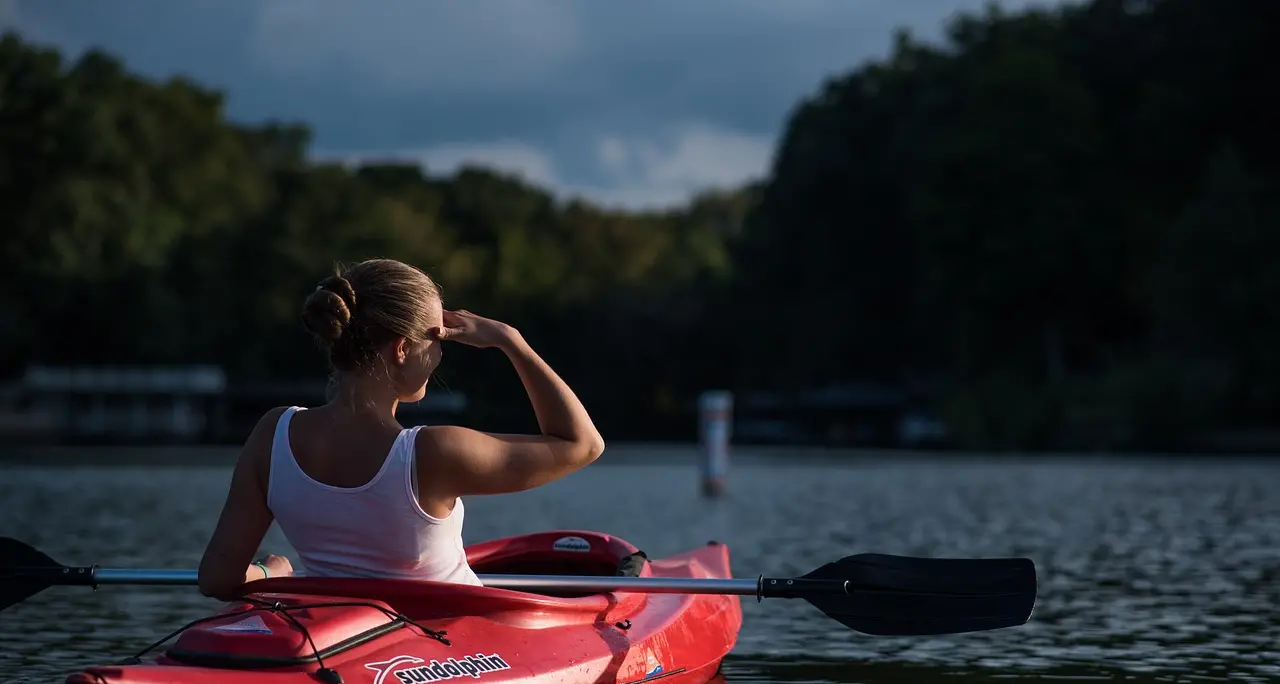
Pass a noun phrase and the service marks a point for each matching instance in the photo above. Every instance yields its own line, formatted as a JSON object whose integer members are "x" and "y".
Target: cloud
{"x": 701, "y": 155}
{"x": 14, "y": 18}
{"x": 533, "y": 165}
{"x": 521, "y": 159}
{"x": 633, "y": 173}
{"x": 613, "y": 154}
{"x": 406, "y": 45}
{"x": 656, "y": 173}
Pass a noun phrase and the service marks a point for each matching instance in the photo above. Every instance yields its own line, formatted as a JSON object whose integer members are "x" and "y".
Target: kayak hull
{"x": 381, "y": 631}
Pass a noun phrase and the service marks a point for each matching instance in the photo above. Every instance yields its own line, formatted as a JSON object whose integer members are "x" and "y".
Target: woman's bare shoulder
{"x": 257, "y": 447}
{"x": 266, "y": 425}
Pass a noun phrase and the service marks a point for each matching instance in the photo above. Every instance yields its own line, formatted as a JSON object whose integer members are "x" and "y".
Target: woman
{"x": 356, "y": 494}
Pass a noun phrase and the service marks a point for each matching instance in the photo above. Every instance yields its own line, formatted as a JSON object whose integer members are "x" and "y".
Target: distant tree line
{"x": 1068, "y": 218}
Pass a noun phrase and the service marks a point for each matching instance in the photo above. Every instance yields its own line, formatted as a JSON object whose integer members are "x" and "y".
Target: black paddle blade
{"x": 18, "y": 582}
{"x": 899, "y": 595}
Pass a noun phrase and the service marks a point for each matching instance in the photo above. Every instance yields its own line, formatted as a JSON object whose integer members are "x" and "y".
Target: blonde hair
{"x": 356, "y": 311}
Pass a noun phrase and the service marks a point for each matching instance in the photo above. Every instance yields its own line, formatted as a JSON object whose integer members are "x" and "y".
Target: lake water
{"x": 1150, "y": 570}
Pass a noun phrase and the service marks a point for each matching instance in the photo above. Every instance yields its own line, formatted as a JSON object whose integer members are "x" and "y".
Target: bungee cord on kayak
{"x": 326, "y": 675}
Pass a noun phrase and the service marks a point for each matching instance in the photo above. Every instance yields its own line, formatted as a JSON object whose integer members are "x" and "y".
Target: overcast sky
{"x": 627, "y": 102}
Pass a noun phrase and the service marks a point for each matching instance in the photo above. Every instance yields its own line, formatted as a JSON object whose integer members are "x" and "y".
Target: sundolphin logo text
{"x": 435, "y": 671}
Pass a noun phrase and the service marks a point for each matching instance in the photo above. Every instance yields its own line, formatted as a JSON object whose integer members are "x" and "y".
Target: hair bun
{"x": 341, "y": 287}
{"x": 327, "y": 311}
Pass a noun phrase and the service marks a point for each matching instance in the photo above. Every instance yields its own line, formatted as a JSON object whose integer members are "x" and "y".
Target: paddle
{"x": 871, "y": 593}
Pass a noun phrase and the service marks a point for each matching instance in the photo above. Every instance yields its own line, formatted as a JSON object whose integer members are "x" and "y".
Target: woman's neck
{"x": 366, "y": 399}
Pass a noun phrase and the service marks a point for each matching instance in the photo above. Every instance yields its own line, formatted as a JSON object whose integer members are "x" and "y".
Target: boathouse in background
{"x": 869, "y": 415}
{"x": 159, "y": 405}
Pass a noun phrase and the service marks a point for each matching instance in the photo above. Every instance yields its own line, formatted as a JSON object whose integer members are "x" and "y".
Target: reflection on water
{"x": 1149, "y": 571}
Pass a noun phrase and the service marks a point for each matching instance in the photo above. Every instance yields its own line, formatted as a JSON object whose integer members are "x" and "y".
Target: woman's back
{"x": 340, "y": 479}
{"x": 349, "y": 515}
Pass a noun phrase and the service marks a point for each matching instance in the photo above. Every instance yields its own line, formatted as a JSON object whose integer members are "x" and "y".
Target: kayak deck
{"x": 393, "y": 631}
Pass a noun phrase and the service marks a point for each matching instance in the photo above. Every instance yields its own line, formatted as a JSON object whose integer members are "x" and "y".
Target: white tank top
{"x": 375, "y": 530}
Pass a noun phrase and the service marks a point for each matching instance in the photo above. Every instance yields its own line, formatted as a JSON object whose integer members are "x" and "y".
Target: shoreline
{"x": 625, "y": 453}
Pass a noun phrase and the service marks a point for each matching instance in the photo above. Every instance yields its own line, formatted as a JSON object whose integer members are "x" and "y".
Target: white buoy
{"x": 715, "y": 419}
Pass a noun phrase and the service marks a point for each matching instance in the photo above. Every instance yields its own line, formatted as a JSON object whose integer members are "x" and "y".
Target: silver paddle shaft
{"x": 648, "y": 585}
{"x": 154, "y": 577}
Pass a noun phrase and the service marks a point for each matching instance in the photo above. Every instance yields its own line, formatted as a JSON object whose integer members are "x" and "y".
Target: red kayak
{"x": 372, "y": 631}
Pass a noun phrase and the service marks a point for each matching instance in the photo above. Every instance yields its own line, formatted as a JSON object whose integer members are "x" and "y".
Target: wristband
{"x": 265, "y": 573}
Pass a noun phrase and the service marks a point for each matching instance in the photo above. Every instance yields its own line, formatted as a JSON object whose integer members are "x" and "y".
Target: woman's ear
{"x": 400, "y": 350}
